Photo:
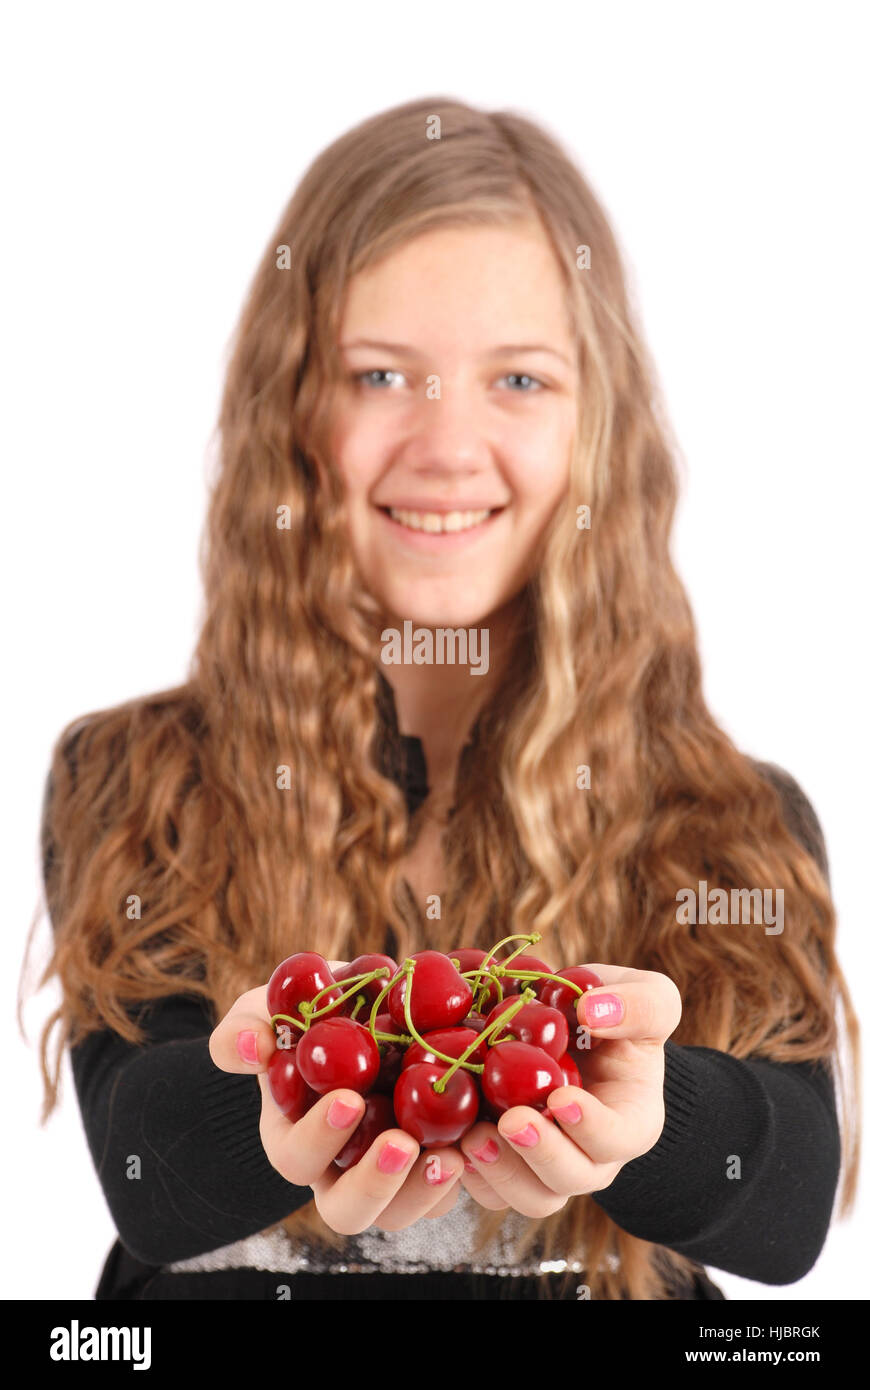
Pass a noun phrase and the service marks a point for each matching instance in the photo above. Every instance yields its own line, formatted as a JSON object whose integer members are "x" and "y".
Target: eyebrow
{"x": 504, "y": 350}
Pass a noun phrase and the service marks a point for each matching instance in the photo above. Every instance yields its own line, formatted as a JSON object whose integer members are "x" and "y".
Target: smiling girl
{"x": 429, "y": 391}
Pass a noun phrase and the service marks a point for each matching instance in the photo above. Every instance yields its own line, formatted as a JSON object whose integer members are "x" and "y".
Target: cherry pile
{"x": 432, "y": 1044}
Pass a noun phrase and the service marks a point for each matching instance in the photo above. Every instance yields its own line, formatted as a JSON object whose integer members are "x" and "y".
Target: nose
{"x": 447, "y": 433}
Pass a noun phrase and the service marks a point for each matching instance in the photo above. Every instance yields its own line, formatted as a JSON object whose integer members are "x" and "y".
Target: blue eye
{"x": 523, "y": 376}
{"x": 376, "y": 371}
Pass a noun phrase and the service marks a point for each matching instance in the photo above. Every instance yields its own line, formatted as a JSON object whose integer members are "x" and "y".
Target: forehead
{"x": 478, "y": 283}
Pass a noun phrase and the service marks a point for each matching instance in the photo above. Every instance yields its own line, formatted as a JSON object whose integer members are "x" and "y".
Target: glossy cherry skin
{"x": 338, "y": 1052}
{"x": 535, "y": 1024}
{"x": 562, "y": 997}
{"x": 516, "y": 1074}
{"x": 451, "y": 1041}
{"x": 377, "y": 1117}
{"x": 439, "y": 995}
{"x": 361, "y": 966}
{"x": 435, "y": 1120}
{"x": 298, "y": 979}
{"x": 524, "y": 962}
{"x": 290, "y": 1091}
{"x": 569, "y": 1070}
{"x": 392, "y": 1058}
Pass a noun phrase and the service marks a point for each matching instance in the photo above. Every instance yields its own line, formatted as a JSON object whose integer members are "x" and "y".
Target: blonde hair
{"x": 174, "y": 796}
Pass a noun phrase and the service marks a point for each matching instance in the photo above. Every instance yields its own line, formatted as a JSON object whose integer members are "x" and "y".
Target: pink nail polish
{"x": 526, "y": 1138}
{"x": 392, "y": 1159}
{"x": 603, "y": 1010}
{"x": 248, "y": 1046}
{"x": 568, "y": 1114}
{"x": 489, "y": 1152}
{"x": 469, "y": 1167}
{"x": 339, "y": 1115}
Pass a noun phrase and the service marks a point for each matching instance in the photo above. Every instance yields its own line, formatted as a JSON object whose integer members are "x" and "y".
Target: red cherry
{"x": 289, "y": 1090}
{"x": 297, "y": 980}
{"x": 569, "y": 1070}
{"x": 524, "y": 962}
{"x": 469, "y": 957}
{"x": 516, "y": 1074}
{"x": 361, "y": 966}
{"x": 562, "y": 997}
{"x": 377, "y": 1117}
{"x": 432, "y": 1118}
{"x": 439, "y": 995}
{"x": 338, "y": 1052}
{"x": 452, "y": 1041}
{"x": 535, "y": 1024}
{"x": 392, "y": 1057}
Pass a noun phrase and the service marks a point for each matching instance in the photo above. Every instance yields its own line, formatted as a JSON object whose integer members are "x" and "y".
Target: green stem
{"x": 287, "y": 1018}
{"x": 533, "y": 939}
{"x": 540, "y": 975}
{"x": 518, "y": 936}
{"x": 386, "y": 989}
{"x": 356, "y": 981}
{"x": 513, "y": 1008}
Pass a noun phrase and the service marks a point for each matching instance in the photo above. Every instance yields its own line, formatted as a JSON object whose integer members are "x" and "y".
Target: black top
{"x": 206, "y": 1182}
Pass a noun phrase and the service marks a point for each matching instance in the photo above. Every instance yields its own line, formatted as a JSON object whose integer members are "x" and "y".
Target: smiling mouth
{"x": 440, "y": 523}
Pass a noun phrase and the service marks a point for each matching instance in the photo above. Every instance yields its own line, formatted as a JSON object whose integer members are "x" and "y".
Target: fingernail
{"x": 603, "y": 1010}
{"x": 526, "y": 1138}
{"x": 469, "y": 1167}
{"x": 248, "y": 1046}
{"x": 489, "y": 1152}
{"x": 568, "y": 1114}
{"x": 340, "y": 1115}
{"x": 392, "y": 1159}
{"x": 434, "y": 1173}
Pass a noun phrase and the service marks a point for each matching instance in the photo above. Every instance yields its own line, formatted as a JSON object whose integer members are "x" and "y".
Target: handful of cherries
{"x": 431, "y": 1044}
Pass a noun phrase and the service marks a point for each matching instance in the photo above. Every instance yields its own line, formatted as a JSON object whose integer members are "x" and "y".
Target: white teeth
{"x": 437, "y": 522}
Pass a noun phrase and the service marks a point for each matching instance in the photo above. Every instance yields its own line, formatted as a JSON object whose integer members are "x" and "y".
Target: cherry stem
{"x": 440, "y": 1085}
{"x": 287, "y": 1018}
{"x": 402, "y": 971}
{"x": 541, "y": 975}
{"x": 356, "y": 981}
{"x": 479, "y": 991}
{"x": 527, "y": 940}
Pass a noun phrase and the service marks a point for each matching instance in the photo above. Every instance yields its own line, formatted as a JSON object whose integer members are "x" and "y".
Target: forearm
{"x": 745, "y": 1173}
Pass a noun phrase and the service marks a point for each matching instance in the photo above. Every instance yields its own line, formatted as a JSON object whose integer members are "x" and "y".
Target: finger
{"x": 353, "y": 1202}
{"x": 602, "y": 1133}
{"x": 507, "y": 1173}
{"x": 441, "y": 1208}
{"x": 244, "y": 1039}
{"x": 301, "y": 1151}
{"x": 433, "y": 1175}
{"x": 645, "y": 1010}
{"x": 477, "y": 1187}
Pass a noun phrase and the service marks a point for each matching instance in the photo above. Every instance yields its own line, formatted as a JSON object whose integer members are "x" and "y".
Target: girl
{"x": 439, "y": 415}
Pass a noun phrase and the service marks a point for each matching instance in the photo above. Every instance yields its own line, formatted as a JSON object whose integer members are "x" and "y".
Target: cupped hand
{"x": 534, "y": 1164}
{"x": 391, "y": 1187}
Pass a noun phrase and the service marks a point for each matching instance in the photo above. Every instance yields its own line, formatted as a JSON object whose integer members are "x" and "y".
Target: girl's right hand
{"x": 390, "y": 1196}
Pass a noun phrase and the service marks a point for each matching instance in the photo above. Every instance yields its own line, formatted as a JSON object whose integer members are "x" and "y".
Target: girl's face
{"x": 454, "y": 419}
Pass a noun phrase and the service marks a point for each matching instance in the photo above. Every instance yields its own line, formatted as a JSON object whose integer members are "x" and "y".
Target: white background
{"x": 149, "y": 151}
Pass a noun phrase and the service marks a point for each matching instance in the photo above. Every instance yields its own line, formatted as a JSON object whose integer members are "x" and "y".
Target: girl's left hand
{"x": 535, "y": 1165}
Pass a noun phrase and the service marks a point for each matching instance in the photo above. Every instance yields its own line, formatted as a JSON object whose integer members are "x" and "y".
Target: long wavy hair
{"x": 175, "y": 796}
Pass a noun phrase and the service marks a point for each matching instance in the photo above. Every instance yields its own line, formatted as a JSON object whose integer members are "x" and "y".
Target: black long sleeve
{"x": 778, "y": 1119}
{"x": 205, "y": 1178}
{"x": 206, "y": 1182}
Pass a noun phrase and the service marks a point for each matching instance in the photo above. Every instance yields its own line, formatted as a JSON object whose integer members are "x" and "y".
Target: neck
{"x": 439, "y": 703}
